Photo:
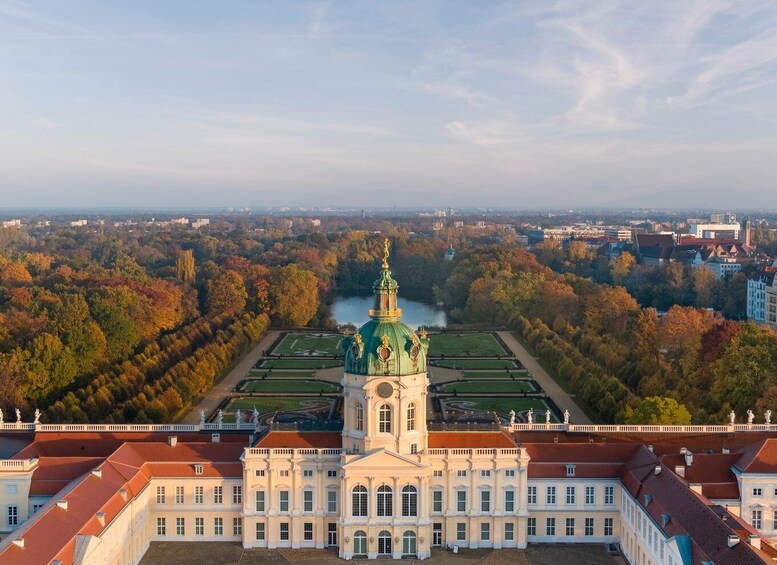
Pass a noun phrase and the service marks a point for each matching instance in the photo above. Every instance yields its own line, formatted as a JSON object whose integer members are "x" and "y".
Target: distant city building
{"x": 200, "y": 222}
{"x": 720, "y": 226}
{"x": 179, "y": 221}
{"x": 438, "y": 226}
{"x": 11, "y": 223}
{"x": 756, "y": 293}
{"x": 450, "y": 253}
{"x": 78, "y": 223}
{"x": 315, "y": 223}
{"x": 621, "y": 234}
{"x": 458, "y": 224}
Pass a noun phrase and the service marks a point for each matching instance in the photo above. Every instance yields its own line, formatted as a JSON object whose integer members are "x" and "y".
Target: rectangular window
{"x": 284, "y": 473}
{"x": 260, "y": 501}
{"x": 485, "y": 474}
{"x": 774, "y": 521}
{"x": 590, "y": 495}
{"x": 758, "y": 492}
{"x": 237, "y": 494}
{"x": 437, "y": 473}
{"x": 260, "y": 531}
{"x": 550, "y": 526}
{"x": 160, "y": 495}
{"x": 570, "y": 531}
{"x": 608, "y": 526}
{"x": 12, "y": 515}
{"x": 461, "y": 501}
{"x": 284, "y": 531}
{"x": 461, "y": 473}
{"x": 589, "y": 526}
{"x": 550, "y": 495}
{"x": 218, "y": 526}
{"x": 180, "y": 526}
{"x": 283, "y": 501}
{"x": 307, "y": 501}
{"x": 436, "y": 501}
{"x": 237, "y": 526}
{"x": 531, "y": 526}
{"x": 161, "y": 527}
{"x": 485, "y": 501}
{"x": 331, "y": 501}
{"x": 485, "y": 531}
{"x": 331, "y": 474}
{"x": 756, "y": 522}
{"x": 609, "y": 495}
{"x": 509, "y": 501}
{"x": 509, "y": 531}
{"x": 36, "y": 507}
{"x": 531, "y": 495}
{"x": 437, "y": 534}
{"x": 199, "y": 526}
{"x": 179, "y": 495}
{"x": 198, "y": 495}
{"x": 461, "y": 531}
{"x": 307, "y": 473}
{"x": 259, "y": 473}
{"x": 307, "y": 531}
{"x": 570, "y": 470}
{"x": 509, "y": 473}
{"x": 218, "y": 495}
{"x": 331, "y": 534}
{"x": 570, "y": 498}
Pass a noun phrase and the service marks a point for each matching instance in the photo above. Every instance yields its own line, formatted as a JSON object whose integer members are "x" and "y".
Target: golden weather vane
{"x": 385, "y": 254}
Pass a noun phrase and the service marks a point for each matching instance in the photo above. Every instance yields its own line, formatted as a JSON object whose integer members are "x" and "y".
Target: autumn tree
{"x": 226, "y": 294}
{"x": 620, "y": 267}
{"x": 293, "y": 295}
{"x": 184, "y": 266}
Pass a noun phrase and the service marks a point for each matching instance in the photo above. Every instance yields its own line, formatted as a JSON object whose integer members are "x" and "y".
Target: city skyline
{"x": 503, "y": 105}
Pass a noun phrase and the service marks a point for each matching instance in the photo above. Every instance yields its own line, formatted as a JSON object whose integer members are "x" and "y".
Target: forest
{"x": 122, "y": 326}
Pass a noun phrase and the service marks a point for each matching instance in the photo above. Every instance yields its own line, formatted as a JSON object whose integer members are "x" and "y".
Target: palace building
{"x": 392, "y": 483}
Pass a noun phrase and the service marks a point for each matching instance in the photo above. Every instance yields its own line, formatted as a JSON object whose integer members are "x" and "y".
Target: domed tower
{"x": 385, "y": 382}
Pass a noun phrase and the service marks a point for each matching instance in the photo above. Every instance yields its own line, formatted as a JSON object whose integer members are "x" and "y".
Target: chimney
{"x": 683, "y": 450}
{"x": 98, "y": 473}
{"x": 657, "y": 470}
{"x": 680, "y": 470}
{"x": 726, "y": 451}
{"x": 172, "y": 441}
{"x": 215, "y": 438}
{"x": 688, "y": 458}
{"x": 695, "y": 487}
{"x": 19, "y": 542}
{"x": 62, "y": 504}
{"x": 101, "y": 518}
{"x": 733, "y": 539}
{"x": 755, "y": 541}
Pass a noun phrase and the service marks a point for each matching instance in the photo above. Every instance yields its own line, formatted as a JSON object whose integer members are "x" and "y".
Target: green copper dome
{"x": 385, "y": 345}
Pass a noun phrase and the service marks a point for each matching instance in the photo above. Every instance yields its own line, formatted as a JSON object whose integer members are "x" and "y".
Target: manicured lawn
{"x": 486, "y": 387}
{"x": 474, "y": 363}
{"x": 502, "y": 405}
{"x": 478, "y": 344}
{"x": 277, "y": 385}
{"x": 259, "y": 373}
{"x": 494, "y": 374}
{"x": 300, "y": 363}
{"x": 276, "y": 404}
{"x": 309, "y": 344}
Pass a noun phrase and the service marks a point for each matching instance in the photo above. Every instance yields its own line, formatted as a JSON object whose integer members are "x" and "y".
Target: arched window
{"x": 359, "y": 543}
{"x": 359, "y": 498}
{"x": 384, "y": 543}
{"x": 385, "y": 501}
{"x": 409, "y": 501}
{"x": 408, "y": 543}
{"x": 358, "y": 415}
{"x": 384, "y": 419}
{"x": 411, "y": 417}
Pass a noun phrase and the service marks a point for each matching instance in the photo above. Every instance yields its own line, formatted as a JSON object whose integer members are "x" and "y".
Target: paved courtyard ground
{"x": 225, "y": 553}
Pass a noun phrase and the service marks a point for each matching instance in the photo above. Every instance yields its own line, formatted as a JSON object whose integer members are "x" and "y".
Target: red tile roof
{"x": 470, "y": 440}
{"x": 711, "y": 470}
{"x": 54, "y": 473}
{"x": 321, "y": 440}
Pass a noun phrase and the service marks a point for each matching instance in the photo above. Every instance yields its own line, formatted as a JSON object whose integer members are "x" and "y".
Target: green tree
{"x": 659, "y": 410}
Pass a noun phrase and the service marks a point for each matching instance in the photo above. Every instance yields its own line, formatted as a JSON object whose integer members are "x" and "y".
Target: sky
{"x": 378, "y": 104}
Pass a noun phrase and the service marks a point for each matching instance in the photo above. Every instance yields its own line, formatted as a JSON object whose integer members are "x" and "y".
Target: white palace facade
{"x": 391, "y": 483}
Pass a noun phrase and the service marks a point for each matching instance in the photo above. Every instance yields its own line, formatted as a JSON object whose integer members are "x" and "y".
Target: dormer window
{"x": 198, "y": 468}
{"x": 570, "y": 470}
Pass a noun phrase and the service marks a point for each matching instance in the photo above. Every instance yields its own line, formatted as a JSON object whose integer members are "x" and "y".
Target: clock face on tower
{"x": 385, "y": 390}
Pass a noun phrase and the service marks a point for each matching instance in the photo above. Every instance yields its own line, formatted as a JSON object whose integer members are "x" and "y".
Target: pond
{"x": 353, "y": 308}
